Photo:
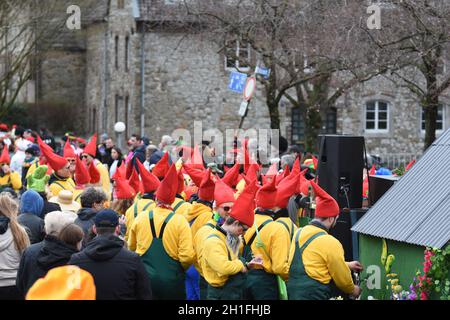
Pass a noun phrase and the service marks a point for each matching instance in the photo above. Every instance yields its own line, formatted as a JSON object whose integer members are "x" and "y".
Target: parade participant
{"x": 40, "y": 257}
{"x": 223, "y": 203}
{"x": 38, "y": 182}
{"x": 61, "y": 177}
{"x": 92, "y": 201}
{"x": 124, "y": 197}
{"x": 31, "y": 205}
{"x": 117, "y": 159}
{"x": 89, "y": 154}
{"x": 21, "y": 144}
{"x": 316, "y": 258}
{"x": 231, "y": 177}
{"x": 221, "y": 266}
{"x": 161, "y": 167}
{"x": 270, "y": 241}
{"x": 8, "y": 177}
{"x": 119, "y": 273}
{"x": 201, "y": 210}
{"x": 54, "y": 285}
{"x": 163, "y": 239}
{"x": 31, "y": 160}
{"x": 137, "y": 152}
{"x": 180, "y": 206}
{"x": 13, "y": 242}
{"x": 286, "y": 189}
{"x": 145, "y": 202}
{"x": 82, "y": 179}
{"x": 65, "y": 201}
{"x": 70, "y": 155}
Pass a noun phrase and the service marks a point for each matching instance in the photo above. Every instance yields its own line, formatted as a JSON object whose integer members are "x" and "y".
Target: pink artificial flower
{"x": 423, "y": 296}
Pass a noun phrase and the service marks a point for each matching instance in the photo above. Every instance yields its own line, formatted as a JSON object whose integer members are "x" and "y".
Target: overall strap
{"x": 166, "y": 221}
{"x": 216, "y": 236}
{"x": 210, "y": 225}
{"x": 147, "y": 205}
{"x": 250, "y": 242}
{"x": 77, "y": 197}
{"x": 59, "y": 184}
{"x": 178, "y": 205}
{"x": 311, "y": 239}
{"x": 136, "y": 209}
{"x": 152, "y": 224}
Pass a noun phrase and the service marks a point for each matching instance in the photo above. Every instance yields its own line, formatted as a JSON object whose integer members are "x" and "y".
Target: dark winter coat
{"x": 85, "y": 221}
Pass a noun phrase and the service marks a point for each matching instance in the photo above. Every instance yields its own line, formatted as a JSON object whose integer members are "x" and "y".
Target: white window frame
{"x": 376, "y": 120}
{"x": 236, "y": 62}
{"x": 422, "y": 119}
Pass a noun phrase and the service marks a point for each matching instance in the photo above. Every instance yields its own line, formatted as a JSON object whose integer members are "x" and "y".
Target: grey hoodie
{"x": 9, "y": 257}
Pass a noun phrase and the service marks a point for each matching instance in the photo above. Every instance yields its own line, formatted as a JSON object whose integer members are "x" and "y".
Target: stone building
{"x": 123, "y": 65}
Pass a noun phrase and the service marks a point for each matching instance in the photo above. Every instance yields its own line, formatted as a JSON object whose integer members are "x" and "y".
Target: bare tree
{"x": 420, "y": 31}
{"x": 308, "y": 45}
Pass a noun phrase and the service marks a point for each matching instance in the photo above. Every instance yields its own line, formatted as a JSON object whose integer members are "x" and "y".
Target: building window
{"x": 329, "y": 124}
{"x": 116, "y": 51}
{"x": 120, "y": 4}
{"x": 298, "y": 127}
{"x": 127, "y": 53}
{"x": 237, "y": 55}
{"x": 127, "y": 114}
{"x": 439, "y": 120}
{"x": 377, "y": 116}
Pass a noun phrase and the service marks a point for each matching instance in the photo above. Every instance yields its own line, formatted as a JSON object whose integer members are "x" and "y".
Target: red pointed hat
{"x": 197, "y": 159}
{"x": 149, "y": 181}
{"x": 206, "y": 190}
{"x": 4, "y": 158}
{"x": 180, "y": 182}
{"x": 167, "y": 190}
{"x": 372, "y": 171}
{"x": 82, "y": 176}
{"x": 231, "y": 178}
{"x": 54, "y": 160}
{"x": 303, "y": 186}
{"x": 91, "y": 147}
{"x": 223, "y": 193}
{"x": 94, "y": 173}
{"x": 326, "y": 206}
{"x": 68, "y": 150}
{"x": 195, "y": 174}
{"x": 252, "y": 172}
{"x": 244, "y": 206}
{"x": 267, "y": 195}
{"x": 296, "y": 166}
{"x": 124, "y": 190}
{"x": 162, "y": 166}
{"x": 43, "y": 145}
{"x": 286, "y": 189}
{"x": 316, "y": 162}
{"x": 120, "y": 172}
{"x": 410, "y": 165}
{"x": 134, "y": 181}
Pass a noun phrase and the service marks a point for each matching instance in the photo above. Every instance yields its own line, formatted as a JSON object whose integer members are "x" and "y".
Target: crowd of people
{"x": 163, "y": 222}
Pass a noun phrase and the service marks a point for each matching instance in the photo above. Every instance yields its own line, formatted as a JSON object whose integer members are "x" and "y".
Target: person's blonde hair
{"x": 9, "y": 208}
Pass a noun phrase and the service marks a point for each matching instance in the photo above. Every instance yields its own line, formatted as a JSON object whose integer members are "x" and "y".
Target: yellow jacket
{"x": 199, "y": 242}
{"x": 58, "y": 185}
{"x": 217, "y": 268}
{"x": 12, "y": 179}
{"x": 32, "y": 168}
{"x": 177, "y": 238}
{"x": 183, "y": 209}
{"x": 104, "y": 179}
{"x": 292, "y": 228}
{"x": 276, "y": 242}
{"x": 239, "y": 188}
{"x": 136, "y": 209}
{"x": 201, "y": 213}
{"x": 323, "y": 259}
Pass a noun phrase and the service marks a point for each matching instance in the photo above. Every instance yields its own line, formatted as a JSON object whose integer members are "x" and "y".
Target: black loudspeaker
{"x": 340, "y": 168}
{"x": 346, "y": 237}
{"x": 378, "y": 185}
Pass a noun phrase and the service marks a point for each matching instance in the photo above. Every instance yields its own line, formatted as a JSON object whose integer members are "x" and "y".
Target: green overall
{"x": 232, "y": 289}
{"x": 300, "y": 286}
{"x": 143, "y": 209}
{"x": 203, "y": 284}
{"x": 259, "y": 284}
{"x": 166, "y": 274}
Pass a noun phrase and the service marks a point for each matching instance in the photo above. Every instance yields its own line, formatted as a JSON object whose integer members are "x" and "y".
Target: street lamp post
{"x": 119, "y": 128}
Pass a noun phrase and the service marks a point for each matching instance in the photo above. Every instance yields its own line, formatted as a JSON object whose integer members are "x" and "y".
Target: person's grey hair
{"x": 55, "y": 221}
{"x": 151, "y": 148}
{"x": 166, "y": 140}
{"x": 287, "y": 159}
{"x": 91, "y": 196}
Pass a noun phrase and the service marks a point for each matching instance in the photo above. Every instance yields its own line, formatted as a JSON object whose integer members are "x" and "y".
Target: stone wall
{"x": 186, "y": 81}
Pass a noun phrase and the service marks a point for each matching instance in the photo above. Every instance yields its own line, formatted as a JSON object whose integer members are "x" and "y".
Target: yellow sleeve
{"x": 31, "y": 169}
{"x": 186, "y": 253}
{"x": 131, "y": 237}
{"x": 55, "y": 189}
{"x": 140, "y": 236}
{"x": 16, "y": 182}
{"x": 279, "y": 251}
{"x": 106, "y": 184}
{"x": 337, "y": 267}
{"x": 129, "y": 215}
{"x": 216, "y": 256}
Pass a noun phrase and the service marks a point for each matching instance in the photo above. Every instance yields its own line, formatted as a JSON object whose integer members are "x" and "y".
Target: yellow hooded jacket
{"x": 104, "y": 179}
{"x": 11, "y": 179}
{"x": 217, "y": 268}
{"x": 201, "y": 213}
{"x": 58, "y": 185}
{"x": 276, "y": 241}
{"x": 323, "y": 259}
{"x": 136, "y": 209}
{"x": 177, "y": 237}
{"x": 183, "y": 208}
{"x": 199, "y": 242}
